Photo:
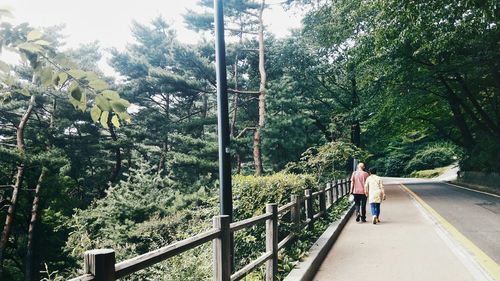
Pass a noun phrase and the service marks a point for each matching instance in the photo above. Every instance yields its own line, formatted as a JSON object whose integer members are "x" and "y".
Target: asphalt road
{"x": 475, "y": 215}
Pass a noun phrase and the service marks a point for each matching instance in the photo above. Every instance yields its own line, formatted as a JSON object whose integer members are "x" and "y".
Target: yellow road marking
{"x": 488, "y": 264}
{"x": 470, "y": 189}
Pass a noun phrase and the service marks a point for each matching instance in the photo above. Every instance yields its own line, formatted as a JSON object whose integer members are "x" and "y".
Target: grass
{"x": 428, "y": 173}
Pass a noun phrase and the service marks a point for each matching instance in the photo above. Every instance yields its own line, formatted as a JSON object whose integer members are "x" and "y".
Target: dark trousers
{"x": 375, "y": 209}
{"x": 360, "y": 204}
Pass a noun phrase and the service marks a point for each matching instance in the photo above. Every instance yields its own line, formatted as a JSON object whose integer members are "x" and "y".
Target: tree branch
{"x": 247, "y": 129}
{"x": 244, "y": 92}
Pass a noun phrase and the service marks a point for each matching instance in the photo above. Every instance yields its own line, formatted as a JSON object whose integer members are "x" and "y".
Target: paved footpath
{"x": 407, "y": 245}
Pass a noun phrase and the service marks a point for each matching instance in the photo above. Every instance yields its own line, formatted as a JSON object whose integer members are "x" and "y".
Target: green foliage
{"x": 326, "y": 160}
{"x": 140, "y": 214}
{"x": 251, "y": 194}
{"x": 433, "y": 156}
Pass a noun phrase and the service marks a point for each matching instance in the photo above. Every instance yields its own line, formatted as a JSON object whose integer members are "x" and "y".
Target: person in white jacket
{"x": 374, "y": 189}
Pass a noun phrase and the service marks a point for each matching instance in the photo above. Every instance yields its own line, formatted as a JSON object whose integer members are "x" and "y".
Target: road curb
{"x": 305, "y": 270}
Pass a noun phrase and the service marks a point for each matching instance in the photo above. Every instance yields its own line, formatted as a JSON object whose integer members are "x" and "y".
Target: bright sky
{"x": 109, "y": 21}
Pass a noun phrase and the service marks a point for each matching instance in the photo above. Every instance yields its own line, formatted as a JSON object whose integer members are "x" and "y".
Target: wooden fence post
{"x": 221, "y": 249}
{"x": 339, "y": 189}
{"x": 322, "y": 202}
{"x": 328, "y": 195}
{"x": 100, "y": 263}
{"x": 309, "y": 208}
{"x": 272, "y": 241}
{"x": 295, "y": 212}
{"x": 336, "y": 186}
{"x": 344, "y": 184}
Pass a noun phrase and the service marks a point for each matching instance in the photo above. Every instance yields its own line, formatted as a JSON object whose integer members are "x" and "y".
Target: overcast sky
{"x": 109, "y": 21}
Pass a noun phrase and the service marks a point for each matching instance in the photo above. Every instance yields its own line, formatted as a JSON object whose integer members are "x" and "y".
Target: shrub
{"x": 395, "y": 164}
{"x": 433, "y": 156}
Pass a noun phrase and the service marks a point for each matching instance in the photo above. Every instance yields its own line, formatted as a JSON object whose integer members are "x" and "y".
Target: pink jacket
{"x": 358, "y": 180}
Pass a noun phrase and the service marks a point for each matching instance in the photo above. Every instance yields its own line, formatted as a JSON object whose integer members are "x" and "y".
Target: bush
{"x": 395, "y": 164}
{"x": 433, "y": 156}
{"x": 250, "y": 196}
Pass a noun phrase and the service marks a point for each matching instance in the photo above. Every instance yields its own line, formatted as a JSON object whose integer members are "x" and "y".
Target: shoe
{"x": 374, "y": 220}
{"x": 358, "y": 217}
{"x": 363, "y": 220}
{"x": 378, "y": 220}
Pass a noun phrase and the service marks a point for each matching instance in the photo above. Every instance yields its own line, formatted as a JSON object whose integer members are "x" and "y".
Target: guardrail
{"x": 100, "y": 264}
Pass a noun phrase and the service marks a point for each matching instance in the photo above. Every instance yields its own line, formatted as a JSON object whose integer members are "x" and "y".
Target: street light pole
{"x": 226, "y": 200}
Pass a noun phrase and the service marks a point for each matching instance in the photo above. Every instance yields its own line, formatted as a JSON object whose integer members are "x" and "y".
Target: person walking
{"x": 374, "y": 189}
{"x": 358, "y": 179}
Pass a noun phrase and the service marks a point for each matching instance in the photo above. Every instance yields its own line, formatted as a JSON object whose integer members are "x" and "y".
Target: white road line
{"x": 470, "y": 189}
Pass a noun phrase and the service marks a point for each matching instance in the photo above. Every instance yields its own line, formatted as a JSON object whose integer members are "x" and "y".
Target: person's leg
{"x": 357, "y": 205}
{"x": 372, "y": 206}
{"x": 363, "y": 207}
{"x": 378, "y": 212}
{"x": 374, "y": 212}
{"x": 377, "y": 207}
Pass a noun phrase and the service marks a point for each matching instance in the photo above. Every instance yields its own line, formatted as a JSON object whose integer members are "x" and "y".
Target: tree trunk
{"x": 163, "y": 155}
{"x": 486, "y": 118}
{"x": 17, "y": 185}
{"x": 257, "y": 140}
{"x": 355, "y": 127}
{"x": 454, "y": 103}
{"x": 30, "y": 266}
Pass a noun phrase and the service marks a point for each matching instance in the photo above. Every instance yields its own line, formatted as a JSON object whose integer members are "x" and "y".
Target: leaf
{"x": 118, "y": 107}
{"x": 30, "y": 47}
{"x": 98, "y": 84}
{"x": 75, "y": 92}
{"x": 77, "y": 73}
{"x": 60, "y": 79}
{"x": 5, "y": 97}
{"x": 46, "y": 76}
{"x": 34, "y": 35}
{"x": 83, "y": 102}
{"x": 115, "y": 121}
{"x": 95, "y": 113}
{"x": 104, "y": 119}
{"x": 102, "y": 103}
{"x": 4, "y": 67}
{"x": 42, "y": 42}
{"x": 124, "y": 116}
{"x": 110, "y": 94}
{"x": 89, "y": 75}
{"x": 25, "y": 92}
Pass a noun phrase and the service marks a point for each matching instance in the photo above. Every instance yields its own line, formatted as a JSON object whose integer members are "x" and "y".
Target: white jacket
{"x": 374, "y": 188}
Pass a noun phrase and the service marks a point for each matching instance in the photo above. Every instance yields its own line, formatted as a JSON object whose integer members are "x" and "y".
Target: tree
{"x": 44, "y": 77}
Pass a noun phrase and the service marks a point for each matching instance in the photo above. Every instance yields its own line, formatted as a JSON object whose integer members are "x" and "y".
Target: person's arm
{"x": 352, "y": 183}
{"x": 367, "y": 188}
{"x": 381, "y": 184}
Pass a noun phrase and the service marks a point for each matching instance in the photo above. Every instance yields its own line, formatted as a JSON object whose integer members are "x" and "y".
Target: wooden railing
{"x": 100, "y": 264}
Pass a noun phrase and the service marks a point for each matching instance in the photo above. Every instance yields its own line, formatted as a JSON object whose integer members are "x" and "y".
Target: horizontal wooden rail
{"x": 85, "y": 277}
{"x": 286, "y": 207}
{"x": 285, "y": 240}
{"x": 235, "y": 226}
{"x": 135, "y": 264}
{"x": 251, "y": 266}
{"x": 314, "y": 194}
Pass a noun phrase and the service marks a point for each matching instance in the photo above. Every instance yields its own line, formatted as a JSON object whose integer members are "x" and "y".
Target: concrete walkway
{"x": 406, "y": 245}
